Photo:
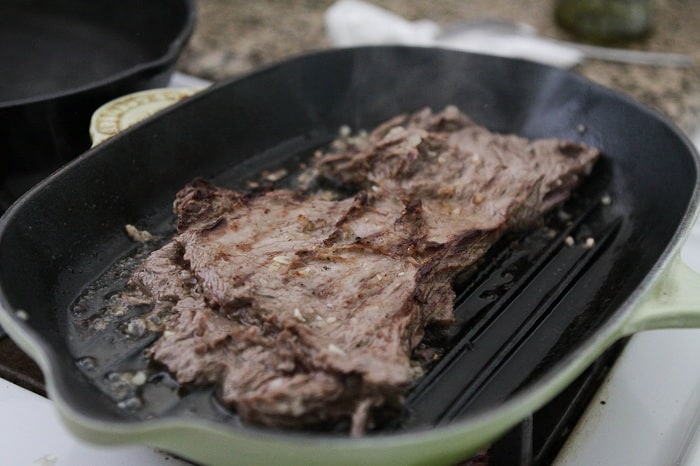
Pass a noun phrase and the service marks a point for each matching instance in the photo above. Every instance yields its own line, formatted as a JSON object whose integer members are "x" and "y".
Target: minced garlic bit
{"x": 319, "y": 322}
{"x": 589, "y": 243}
{"x": 22, "y": 314}
{"x": 139, "y": 378}
{"x": 136, "y": 327}
{"x": 298, "y": 316}
{"x": 443, "y": 158}
{"x": 606, "y": 200}
{"x": 569, "y": 241}
{"x": 275, "y": 175}
{"x": 414, "y": 139}
{"x": 334, "y": 349}
{"x": 140, "y": 236}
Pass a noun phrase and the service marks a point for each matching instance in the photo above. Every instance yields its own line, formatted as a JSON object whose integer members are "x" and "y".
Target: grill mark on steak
{"x": 305, "y": 310}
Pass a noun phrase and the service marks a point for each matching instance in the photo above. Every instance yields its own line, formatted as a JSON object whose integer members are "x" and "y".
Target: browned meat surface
{"x": 305, "y": 310}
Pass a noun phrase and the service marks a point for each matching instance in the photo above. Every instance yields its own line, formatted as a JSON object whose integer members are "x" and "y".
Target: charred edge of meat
{"x": 200, "y": 202}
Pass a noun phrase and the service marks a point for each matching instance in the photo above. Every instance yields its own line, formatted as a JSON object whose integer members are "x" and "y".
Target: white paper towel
{"x": 355, "y": 22}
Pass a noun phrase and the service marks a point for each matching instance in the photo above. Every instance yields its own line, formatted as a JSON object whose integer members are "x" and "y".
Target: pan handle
{"x": 122, "y": 112}
{"x": 672, "y": 302}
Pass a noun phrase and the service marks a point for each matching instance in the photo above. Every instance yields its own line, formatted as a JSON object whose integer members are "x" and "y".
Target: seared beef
{"x": 305, "y": 310}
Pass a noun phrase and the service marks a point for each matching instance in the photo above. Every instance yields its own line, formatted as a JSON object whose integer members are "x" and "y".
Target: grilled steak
{"x": 305, "y": 310}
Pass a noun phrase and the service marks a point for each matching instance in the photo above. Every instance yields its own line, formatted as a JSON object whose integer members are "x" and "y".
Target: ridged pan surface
{"x": 534, "y": 302}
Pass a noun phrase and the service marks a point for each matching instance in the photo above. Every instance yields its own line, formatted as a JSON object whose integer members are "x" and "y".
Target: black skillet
{"x": 61, "y": 59}
{"x": 534, "y": 316}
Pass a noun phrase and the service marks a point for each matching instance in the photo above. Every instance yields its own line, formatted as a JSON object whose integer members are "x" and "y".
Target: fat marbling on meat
{"x": 305, "y": 311}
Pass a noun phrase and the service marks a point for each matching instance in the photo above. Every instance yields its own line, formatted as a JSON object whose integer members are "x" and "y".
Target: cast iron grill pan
{"x": 534, "y": 299}
{"x": 510, "y": 315}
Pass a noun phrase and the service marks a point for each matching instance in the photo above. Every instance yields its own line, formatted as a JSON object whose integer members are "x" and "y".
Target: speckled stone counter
{"x": 235, "y": 36}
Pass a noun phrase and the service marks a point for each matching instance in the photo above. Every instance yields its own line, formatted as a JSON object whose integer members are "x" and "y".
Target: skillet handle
{"x": 672, "y": 302}
{"x": 122, "y": 112}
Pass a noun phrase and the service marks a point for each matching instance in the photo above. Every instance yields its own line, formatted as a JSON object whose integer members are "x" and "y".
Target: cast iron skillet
{"x": 61, "y": 59}
{"x": 535, "y": 315}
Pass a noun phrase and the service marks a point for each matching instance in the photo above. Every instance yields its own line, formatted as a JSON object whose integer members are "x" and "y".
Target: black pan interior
{"x": 57, "y": 46}
{"x": 534, "y": 301}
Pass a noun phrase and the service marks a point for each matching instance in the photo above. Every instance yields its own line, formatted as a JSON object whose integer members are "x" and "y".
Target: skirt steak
{"x": 303, "y": 310}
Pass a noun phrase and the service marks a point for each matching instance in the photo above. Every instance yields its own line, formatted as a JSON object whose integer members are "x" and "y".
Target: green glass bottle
{"x": 605, "y": 21}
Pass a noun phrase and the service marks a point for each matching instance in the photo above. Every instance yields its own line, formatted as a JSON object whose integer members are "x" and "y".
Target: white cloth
{"x": 355, "y": 22}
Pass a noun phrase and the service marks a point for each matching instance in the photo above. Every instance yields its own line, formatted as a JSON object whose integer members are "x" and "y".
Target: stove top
{"x": 32, "y": 434}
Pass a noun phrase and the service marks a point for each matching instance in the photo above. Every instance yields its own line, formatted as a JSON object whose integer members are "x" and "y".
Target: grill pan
{"x": 538, "y": 311}
{"x": 61, "y": 59}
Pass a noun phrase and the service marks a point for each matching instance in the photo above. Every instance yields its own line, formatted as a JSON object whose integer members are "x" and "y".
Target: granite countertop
{"x": 235, "y": 36}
